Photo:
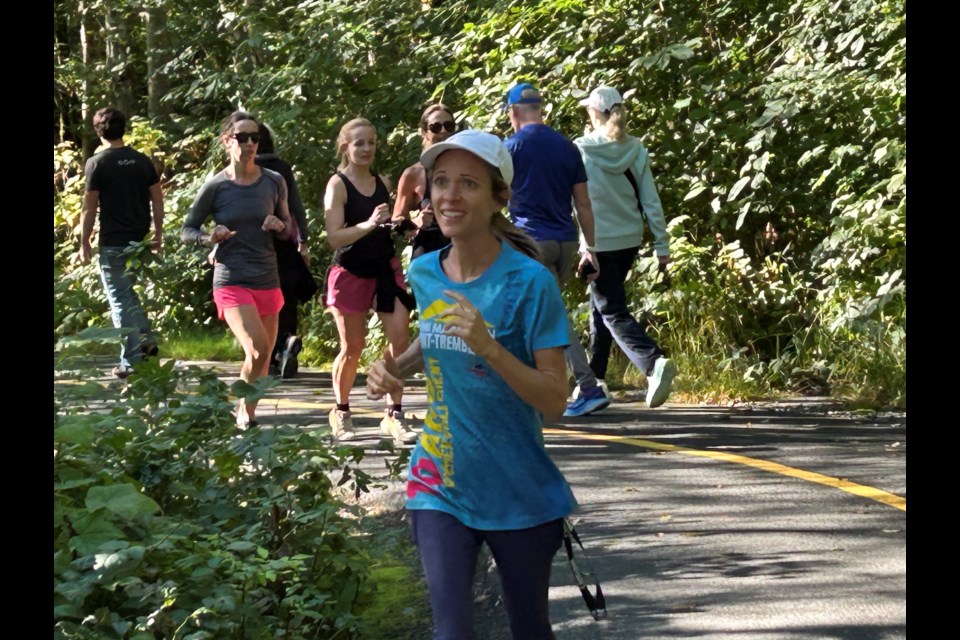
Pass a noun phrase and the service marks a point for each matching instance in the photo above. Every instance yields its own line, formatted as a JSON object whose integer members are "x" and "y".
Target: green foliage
{"x": 776, "y": 131}
{"x": 202, "y": 343}
{"x": 170, "y": 524}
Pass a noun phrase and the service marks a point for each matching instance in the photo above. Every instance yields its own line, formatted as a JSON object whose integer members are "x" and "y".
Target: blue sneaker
{"x": 588, "y": 402}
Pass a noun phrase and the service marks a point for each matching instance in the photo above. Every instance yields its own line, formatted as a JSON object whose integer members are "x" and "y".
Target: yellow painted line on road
{"x": 872, "y": 493}
{"x": 863, "y": 491}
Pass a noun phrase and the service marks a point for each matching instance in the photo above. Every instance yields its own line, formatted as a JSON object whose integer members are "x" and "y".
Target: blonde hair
{"x": 505, "y": 230}
{"x": 614, "y": 122}
{"x": 343, "y": 139}
{"x": 502, "y": 228}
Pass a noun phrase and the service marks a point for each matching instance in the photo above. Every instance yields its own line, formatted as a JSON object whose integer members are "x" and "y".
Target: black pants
{"x": 288, "y": 318}
{"x": 611, "y": 320}
{"x": 297, "y": 285}
{"x": 448, "y": 553}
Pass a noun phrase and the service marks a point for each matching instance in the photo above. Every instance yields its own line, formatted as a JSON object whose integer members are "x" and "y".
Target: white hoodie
{"x": 617, "y": 220}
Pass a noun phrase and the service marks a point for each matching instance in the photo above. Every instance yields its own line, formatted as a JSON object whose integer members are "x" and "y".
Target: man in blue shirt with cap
{"x": 548, "y": 173}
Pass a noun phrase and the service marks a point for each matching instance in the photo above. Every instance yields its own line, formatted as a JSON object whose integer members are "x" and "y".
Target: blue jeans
{"x": 448, "y": 553}
{"x": 611, "y": 320}
{"x": 125, "y": 308}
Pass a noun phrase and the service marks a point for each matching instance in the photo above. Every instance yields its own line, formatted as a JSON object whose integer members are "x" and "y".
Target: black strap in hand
{"x": 597, "y": 604}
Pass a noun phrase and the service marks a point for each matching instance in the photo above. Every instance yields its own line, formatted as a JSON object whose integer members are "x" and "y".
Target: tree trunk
{"x": 155, "y": 20}
{"x": 118, "y": 61}
{"x": 88, "y": 142}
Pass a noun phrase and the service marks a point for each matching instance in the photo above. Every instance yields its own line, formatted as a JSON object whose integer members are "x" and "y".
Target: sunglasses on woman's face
{"x": 243, "y": 137}
{"x": 437, "y": 127}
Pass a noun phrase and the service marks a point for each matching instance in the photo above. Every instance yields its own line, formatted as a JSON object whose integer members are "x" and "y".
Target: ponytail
{"x": 503, "y": 229}
{"x": 614, "y": 122}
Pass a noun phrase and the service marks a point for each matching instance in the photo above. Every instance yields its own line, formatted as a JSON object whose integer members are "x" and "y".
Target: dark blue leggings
{"x": 449, "y": 551}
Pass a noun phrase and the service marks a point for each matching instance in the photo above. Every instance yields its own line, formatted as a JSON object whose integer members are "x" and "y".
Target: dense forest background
{"x": 776, "y": 128}
{"x": 777, "y": 132}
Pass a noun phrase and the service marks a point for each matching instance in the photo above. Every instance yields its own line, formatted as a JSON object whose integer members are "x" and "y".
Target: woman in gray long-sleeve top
{"x": 249, "y": 206}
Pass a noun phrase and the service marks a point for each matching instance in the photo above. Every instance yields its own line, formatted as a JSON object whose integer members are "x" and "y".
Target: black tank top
{"x": 429, "y": 237}
{"x": 364, "y": 256}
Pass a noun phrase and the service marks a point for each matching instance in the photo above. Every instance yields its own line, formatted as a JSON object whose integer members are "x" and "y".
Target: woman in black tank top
{"x": 365, "y": 273}
{"x": 413, "y": 192}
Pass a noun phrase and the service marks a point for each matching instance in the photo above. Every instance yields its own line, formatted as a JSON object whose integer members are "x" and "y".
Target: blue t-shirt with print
{"x": 481, "y": 456}
{"x": 546, "y": 165}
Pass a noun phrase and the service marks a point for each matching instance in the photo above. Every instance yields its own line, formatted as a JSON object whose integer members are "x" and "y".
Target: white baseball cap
{"x": 485, "y": 146}
{"x": 602, "y": 99}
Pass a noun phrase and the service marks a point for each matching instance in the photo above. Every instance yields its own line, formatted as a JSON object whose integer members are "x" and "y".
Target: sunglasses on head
{"x": 242, "y": 137}
{"x": 437, "y": 127}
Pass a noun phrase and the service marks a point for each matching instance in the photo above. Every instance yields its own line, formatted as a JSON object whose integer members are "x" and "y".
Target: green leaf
{"x": 77, "y": 429}
{"x": 743, "y": 216}
{"x": 772, "y": 110}
{"x": 737, "y": 188}
{"x": 680, "y": 104}
{"x": 68, "y": 610}
{"x": 111, "y": 562}
{"x": 92, "y": 530}
{"x": 696, "y": 190}
{"x": 896, "y": 183}
{"x": 93, "y": 335}
{"x": 121, "y": 499}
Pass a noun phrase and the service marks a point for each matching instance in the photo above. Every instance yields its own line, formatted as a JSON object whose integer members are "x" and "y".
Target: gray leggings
{"x": 448, "y": 553}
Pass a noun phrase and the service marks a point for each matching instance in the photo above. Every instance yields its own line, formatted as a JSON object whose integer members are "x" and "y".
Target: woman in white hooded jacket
{"x": 619, "y": 181}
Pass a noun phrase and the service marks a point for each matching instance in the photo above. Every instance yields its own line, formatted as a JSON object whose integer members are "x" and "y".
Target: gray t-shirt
{"x": 248, "y": 259}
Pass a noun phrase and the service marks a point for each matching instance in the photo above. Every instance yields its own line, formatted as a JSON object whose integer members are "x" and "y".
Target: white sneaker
{"x": 341, "y": 425}
{"x": 243, "y": 418}
{"x": 394, "y": 424}
{"x": 660, "y": 381}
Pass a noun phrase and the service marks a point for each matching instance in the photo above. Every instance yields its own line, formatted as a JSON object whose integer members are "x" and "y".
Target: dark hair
{"x": 234, "y": 118}
{"x": 266, "y": 139}
{"x": 431, "y": 110}
{"x": 109, "y": 123}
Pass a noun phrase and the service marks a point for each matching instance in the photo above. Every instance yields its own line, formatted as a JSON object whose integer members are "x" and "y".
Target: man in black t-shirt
{"x": 123, "y": 184}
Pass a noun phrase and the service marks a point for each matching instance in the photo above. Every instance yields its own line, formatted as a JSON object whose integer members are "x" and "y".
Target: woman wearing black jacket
{"x": 293, "y": 261}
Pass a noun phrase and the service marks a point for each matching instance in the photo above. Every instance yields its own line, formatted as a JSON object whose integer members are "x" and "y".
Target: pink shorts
{"x": 349, "y": 293}
{"x": 267, "y": 301}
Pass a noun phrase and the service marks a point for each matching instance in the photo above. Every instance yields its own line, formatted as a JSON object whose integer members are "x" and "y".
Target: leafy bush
{"x": 170, "y": 524}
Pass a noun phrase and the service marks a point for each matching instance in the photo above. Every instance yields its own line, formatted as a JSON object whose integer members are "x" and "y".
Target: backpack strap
{"x": 636, "y": 192}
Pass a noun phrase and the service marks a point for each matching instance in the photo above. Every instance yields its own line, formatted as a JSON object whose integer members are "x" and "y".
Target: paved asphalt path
{"x": 781, "y": 521}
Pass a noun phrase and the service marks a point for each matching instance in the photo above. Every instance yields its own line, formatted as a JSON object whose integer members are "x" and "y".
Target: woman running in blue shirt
{"x": 492, "y": 333}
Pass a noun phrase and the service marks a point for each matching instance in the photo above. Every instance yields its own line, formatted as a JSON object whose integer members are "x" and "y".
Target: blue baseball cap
{"x": 523, "y": 93}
